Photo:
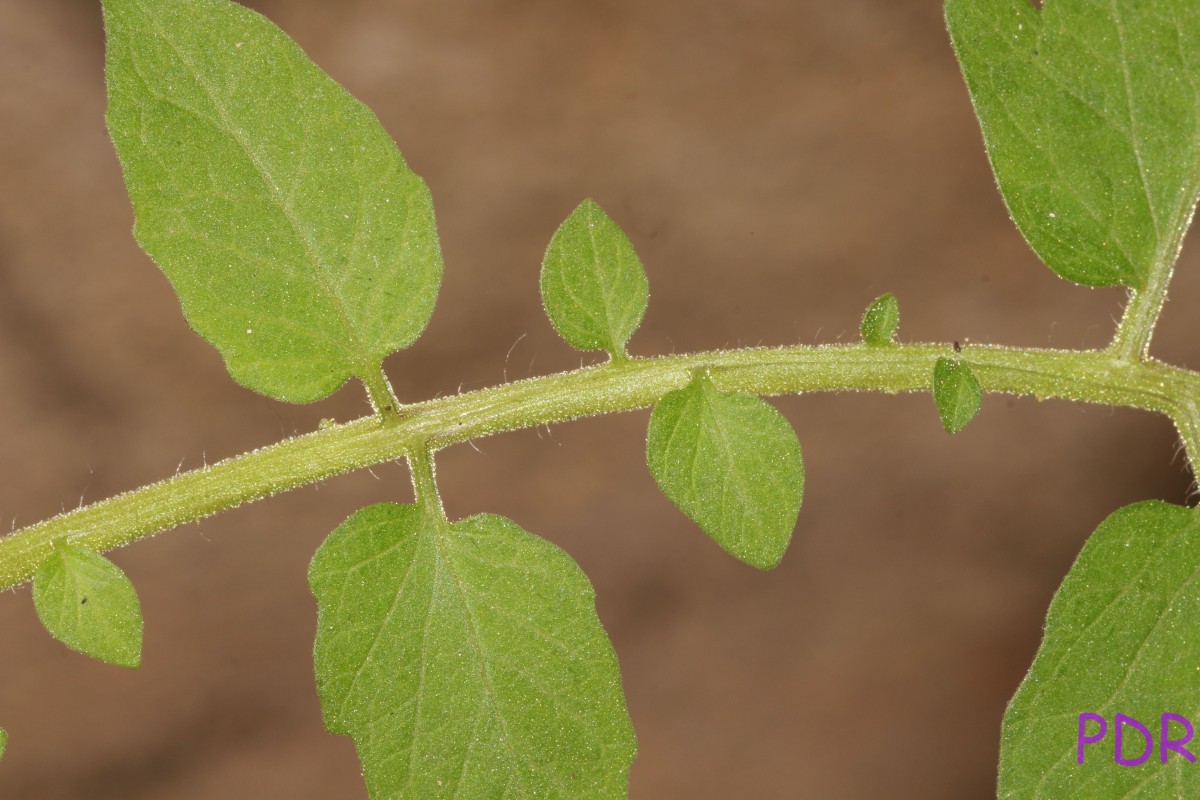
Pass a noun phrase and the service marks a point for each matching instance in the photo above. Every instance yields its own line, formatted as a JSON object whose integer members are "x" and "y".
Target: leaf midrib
{"x": 447, "y": 560}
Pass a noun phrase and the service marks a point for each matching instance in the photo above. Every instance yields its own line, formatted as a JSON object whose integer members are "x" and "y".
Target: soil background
{"x": 778, "y": 164}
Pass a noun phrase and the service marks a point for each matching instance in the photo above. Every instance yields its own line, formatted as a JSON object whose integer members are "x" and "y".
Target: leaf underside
{"x": 466, "y": 661}
{"x": 1090, "y": 111}
{"x": 298, "y": 241}
{"x": 956, "y": 393}
{"x": 1121, "y": 637}
{"x": 87, "y": 603}
{"x": 881, "y": 320}
{"x": 593, "y": 286}
{"x": 732, "y": 463}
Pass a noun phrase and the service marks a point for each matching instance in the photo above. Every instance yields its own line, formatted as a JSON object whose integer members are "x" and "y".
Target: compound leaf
{"x": 86, "y": 602}
{"x": 1120, "y": 637}
{"x": 593, "y": 285}
{"x": 881, "y": 321}
{"x": 732, "y": 463}
{"x": 298, "y": 241}
{"x": 466, "y": 661}
{"x": 1090, "y": 112}
{"x": 956, "y": 392}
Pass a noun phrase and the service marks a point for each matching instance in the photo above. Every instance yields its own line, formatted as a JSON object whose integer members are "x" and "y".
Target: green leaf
{"x": 298, "y": 241}
{"x": 593, "y": 285}
{"x": 1091, "y": 115}
{"x": 881, "y": 321}
{"x": 956, "y": 393}
{"x": 1121, "y": 637}
{"x": 3, "y": 741}
{"x": 732, "y": 463}
{"x": 466, "y": 661}
{"x": 86, "y": 602}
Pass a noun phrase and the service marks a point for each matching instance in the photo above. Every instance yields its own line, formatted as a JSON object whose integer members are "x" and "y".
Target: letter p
{"x": 1084, "y": 739}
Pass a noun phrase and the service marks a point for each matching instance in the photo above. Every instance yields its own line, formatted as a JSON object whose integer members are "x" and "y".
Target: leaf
{"x": 1091, "y": 116}
{"x": 956, "y": 393}
{"x": 466, "y": 661}
{"x": 881, "y": 321}
{"x": 1121, "y": 637}
{"x": 593, "y": 285}
{"x": 86, "y": 602}
{"x": 732, "y": 463}
{"x": 3, "y": 742}
{"x": 298, "y": 241}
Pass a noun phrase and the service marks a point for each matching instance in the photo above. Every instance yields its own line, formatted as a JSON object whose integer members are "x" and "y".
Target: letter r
{"x": 1176, "y": 745}
{"x": 1084, "y": 739}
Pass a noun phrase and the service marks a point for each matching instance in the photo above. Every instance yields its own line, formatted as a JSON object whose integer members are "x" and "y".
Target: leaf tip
{"x": 766, "y": 562}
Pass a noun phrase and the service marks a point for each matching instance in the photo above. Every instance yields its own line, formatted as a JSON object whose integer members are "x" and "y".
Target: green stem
{"x": 1084, "y": 376}
{"x": 379, "y": 391}
{"x": 1132, "y": 339}
{"x": 424, "y": 478}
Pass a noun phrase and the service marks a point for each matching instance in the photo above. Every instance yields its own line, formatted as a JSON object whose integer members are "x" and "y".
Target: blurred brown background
{"x": 778, "y": 164}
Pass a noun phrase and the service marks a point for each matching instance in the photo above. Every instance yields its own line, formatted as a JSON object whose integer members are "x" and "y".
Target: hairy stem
{"x": 1132, "y": 339}
{"x": 379, "y": 392}
{"x": 424, "y": 479}
{"x": 1101, "y": 377}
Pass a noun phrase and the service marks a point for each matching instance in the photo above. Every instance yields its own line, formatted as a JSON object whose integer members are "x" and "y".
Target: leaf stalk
{"x": 1131, "y": 342}
{"x": 379, "y": 391}
{"x": 424, "y": 478}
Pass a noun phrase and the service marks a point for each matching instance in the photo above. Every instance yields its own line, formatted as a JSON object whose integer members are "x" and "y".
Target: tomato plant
{"x": 462, "y": 653}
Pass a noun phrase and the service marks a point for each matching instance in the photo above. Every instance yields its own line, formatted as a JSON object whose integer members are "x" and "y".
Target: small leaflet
{"x": 593, "y": 286}
{"x": 466, "y": 660}
{"x": 1118, "y": 659}
{"x": 882, "y": 320}
{"x": 299, "y": 242}
{"x": 1090, "y": 113}
{"x": 956, "y": 392}
{"x": 732, "y": 463}
{"x": 87, "y": 603}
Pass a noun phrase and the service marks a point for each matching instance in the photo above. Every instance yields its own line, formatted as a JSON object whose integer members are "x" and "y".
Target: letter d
{"x": 1120, "y": 721}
